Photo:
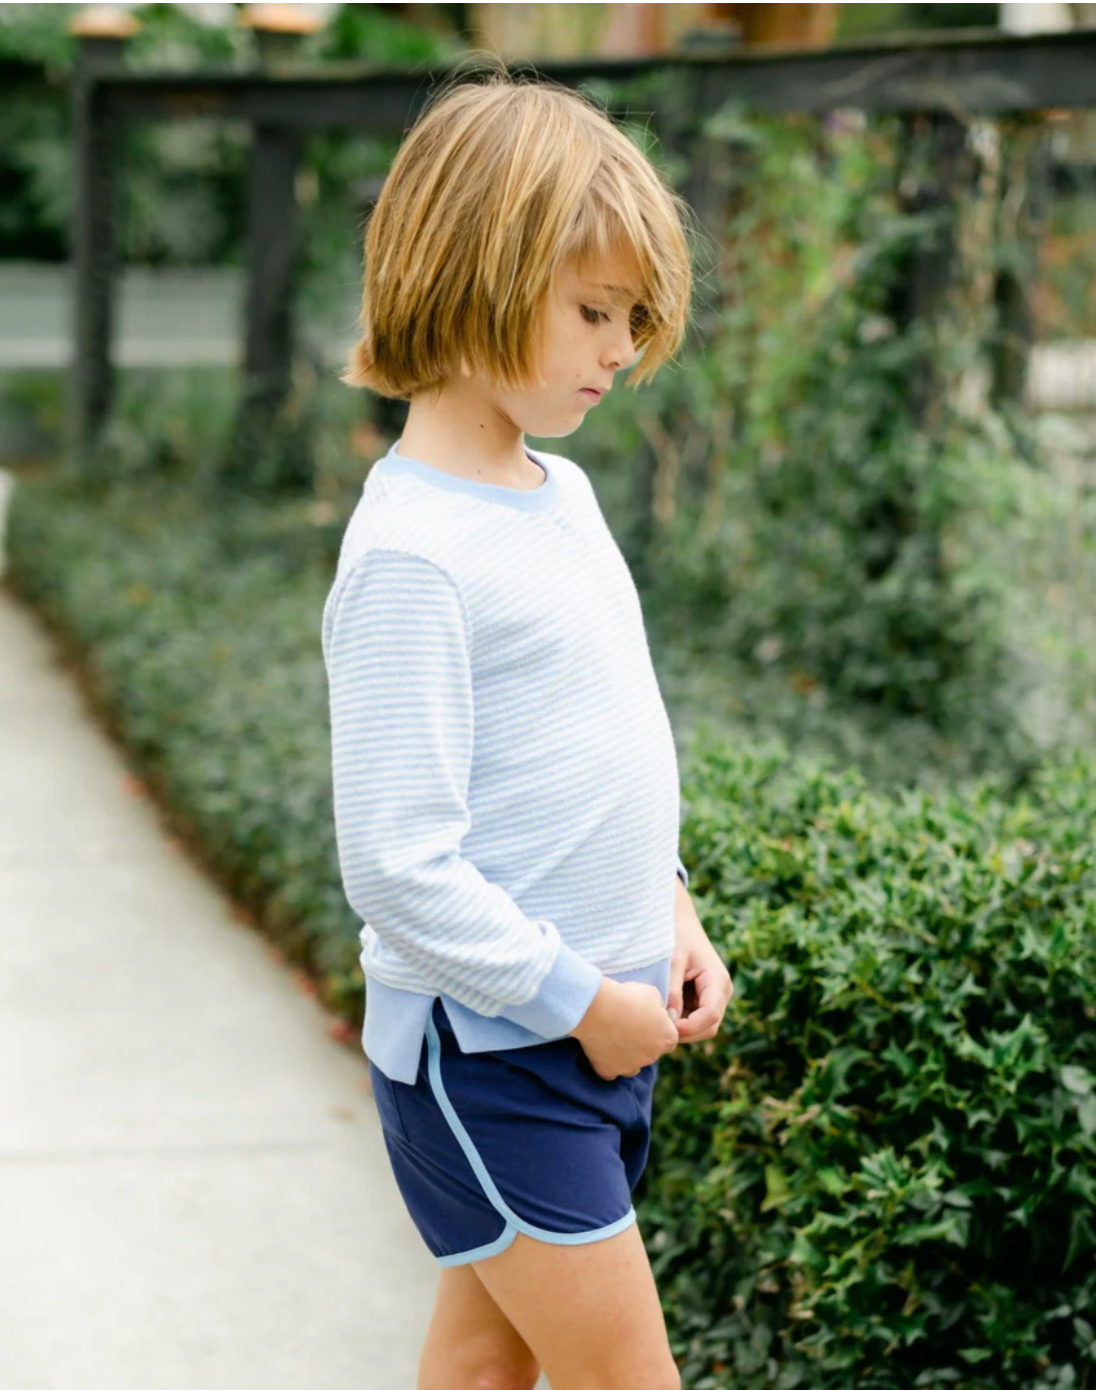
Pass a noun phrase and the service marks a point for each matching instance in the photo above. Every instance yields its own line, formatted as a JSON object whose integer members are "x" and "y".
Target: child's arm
{"x": 396, "y": 645}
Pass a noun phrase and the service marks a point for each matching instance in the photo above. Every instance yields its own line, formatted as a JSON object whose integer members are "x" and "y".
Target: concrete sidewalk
{"x": 194, "y": 1191}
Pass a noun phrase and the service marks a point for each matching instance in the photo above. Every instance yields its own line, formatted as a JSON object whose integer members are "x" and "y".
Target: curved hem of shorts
{"x": 514, "y": 1223}
{"x": 510, "y": 1231}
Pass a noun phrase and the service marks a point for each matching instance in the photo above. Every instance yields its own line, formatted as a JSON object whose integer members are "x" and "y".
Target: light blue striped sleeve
{"x": 397, "y": 651}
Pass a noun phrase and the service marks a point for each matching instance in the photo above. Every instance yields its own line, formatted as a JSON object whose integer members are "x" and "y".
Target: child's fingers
{"x": 702, "y": 1022}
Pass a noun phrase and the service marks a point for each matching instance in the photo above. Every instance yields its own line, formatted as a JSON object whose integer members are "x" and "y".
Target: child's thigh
{"x": 589, "y": 1313}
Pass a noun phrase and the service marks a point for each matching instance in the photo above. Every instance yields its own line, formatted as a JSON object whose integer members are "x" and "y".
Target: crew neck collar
{"x": 537, "y": 499}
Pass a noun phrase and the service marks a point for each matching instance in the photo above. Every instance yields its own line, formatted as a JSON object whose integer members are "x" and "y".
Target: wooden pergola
{"x": 949, "y": 78}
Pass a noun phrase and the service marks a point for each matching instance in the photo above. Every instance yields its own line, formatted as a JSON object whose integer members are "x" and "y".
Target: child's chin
{"x": 558, "y": 429}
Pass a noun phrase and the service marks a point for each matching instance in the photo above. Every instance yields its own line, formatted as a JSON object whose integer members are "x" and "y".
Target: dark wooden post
{"x": 931, "y": 169}
{"x": 1016, "y": 328}
{"x": 102, "y": 36}
{"x": 682, "y": 100}
{"x": 271, "y": 265}
{"x": 670, "y": 98}
{"x": 271, "y": 256}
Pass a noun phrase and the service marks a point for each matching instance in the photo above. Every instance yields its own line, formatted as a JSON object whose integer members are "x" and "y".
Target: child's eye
{"x": 596, "y": 314}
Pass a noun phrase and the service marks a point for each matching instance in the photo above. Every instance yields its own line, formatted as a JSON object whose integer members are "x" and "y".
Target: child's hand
{"x": 625, "y": 1029}
{"x": 700, "y": 984}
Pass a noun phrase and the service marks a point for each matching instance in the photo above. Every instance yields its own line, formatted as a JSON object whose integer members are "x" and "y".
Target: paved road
{"x": 193, "y": 1185}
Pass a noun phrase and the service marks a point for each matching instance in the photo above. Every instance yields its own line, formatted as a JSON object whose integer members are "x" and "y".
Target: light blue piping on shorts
{"x": 514, "y": 1222}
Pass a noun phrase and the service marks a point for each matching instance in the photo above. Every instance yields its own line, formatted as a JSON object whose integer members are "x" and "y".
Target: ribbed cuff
{"x": 682, "y": 873}
{"x": 561, "y": 1002}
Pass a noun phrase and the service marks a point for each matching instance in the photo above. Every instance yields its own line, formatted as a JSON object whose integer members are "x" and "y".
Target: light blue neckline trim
{"x": 514, "y": 1223}
{"x": 537, "y": 499}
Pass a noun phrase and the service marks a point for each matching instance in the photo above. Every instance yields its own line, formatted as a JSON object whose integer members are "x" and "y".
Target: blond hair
{"x": 498, "y": 184}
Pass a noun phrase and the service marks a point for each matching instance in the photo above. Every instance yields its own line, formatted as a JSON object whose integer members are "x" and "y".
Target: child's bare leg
{"x": 589, "y": 1313}
{"x": 470, "y": 1343}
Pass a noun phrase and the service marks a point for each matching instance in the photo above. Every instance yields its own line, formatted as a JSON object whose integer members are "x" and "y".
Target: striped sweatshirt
{"x": 505, "y": 780}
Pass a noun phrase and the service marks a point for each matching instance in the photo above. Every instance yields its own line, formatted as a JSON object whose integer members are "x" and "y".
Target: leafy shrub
{"x": 882, "y": 1172}
{"x": 197, "y": 632}
{"x": 816, "y": 521}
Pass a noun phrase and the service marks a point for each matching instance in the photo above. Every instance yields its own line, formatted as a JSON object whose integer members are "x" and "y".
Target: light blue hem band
{"x": 514, "y": 1223}
{"x": 395, "y": 1022}
{"x": 564, "y": 996}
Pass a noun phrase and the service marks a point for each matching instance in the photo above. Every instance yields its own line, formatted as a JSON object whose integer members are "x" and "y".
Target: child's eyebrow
{"x": 622, "y": 290}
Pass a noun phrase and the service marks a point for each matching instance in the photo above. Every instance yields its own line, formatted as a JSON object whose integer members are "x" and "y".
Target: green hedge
{"x": 198, "y": 633}
{"x": 882, "y": 1172}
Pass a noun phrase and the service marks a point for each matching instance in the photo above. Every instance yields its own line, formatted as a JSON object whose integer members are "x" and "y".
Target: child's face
{"x": 587, "y": 339}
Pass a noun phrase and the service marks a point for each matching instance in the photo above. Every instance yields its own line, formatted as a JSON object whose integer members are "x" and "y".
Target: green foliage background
{"x": 185, "y": 184}
{"x": 886, "y": 1173}
{"x": 874, "y": 630}
{"x": 884, "y": 1167}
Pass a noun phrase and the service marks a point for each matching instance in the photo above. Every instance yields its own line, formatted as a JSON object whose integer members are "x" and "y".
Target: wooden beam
{"x": 970, "y": 72}
{"x": 962, "y": 73}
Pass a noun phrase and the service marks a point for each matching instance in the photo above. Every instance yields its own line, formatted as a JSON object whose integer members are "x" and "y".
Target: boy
{"x": 505, "y": 780}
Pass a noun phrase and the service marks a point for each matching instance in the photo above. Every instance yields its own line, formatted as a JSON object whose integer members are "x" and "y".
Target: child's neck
{"x": 465, "y": 434}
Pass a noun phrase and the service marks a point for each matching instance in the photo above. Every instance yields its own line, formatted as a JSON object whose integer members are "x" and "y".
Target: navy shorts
{"x": 530, "y": 1139}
